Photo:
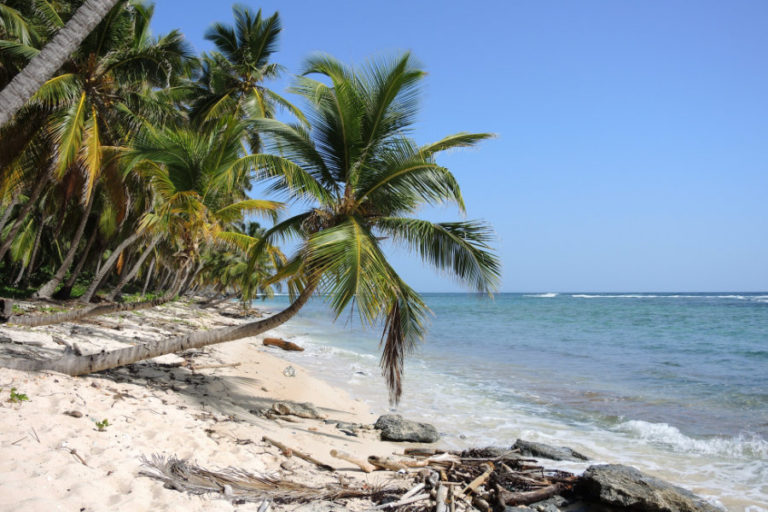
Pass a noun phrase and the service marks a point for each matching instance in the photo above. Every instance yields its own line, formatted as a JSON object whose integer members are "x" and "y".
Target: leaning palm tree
{"x": 54, "y": 54}
{"x": 363, "y": 180}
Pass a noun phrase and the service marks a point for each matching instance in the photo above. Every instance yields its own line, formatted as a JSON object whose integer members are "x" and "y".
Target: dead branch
{"x": 299, "y": 454}
{"x": 357, "y": 462}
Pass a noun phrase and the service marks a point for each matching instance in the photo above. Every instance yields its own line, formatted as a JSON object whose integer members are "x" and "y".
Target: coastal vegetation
{"x": 132, "y": 169}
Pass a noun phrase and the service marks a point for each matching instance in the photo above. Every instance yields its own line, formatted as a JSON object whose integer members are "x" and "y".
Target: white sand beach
{"x": 197, "y": 408}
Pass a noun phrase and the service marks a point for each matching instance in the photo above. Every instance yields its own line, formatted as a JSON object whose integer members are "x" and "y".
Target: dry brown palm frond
{"x": 240, "y": 485}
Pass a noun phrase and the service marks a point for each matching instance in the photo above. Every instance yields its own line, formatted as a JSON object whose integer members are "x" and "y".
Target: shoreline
{"x": 211, "y": 401}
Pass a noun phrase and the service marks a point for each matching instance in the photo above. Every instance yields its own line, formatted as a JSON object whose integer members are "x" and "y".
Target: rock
{"x": 289, "y": 371}
{"x": 290, "y": 465}
{"x": 5, "y": 339}
{"x": 553, "y": 504}
{"x": 305, "y": 410}
{"x": 74, "y": 414}
{"x": 545, "y": 451}
{"x": 519, "y": 508}
{"x": 394, "y": 428}
{"x": 489, "y": 452}
{"x": 627, "y": 487}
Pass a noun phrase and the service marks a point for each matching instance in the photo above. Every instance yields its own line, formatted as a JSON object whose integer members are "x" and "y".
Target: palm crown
{"x": 364, "y": 179}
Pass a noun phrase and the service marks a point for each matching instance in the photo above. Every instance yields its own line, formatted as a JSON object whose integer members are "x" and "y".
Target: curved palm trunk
{"x": 7, "y": 212}
{"x": 190, "y": 279}
{"x": 54, "y": 54}
{"x": 73, "y": 364}
{"x": 128, "y": 276}
{"x": 66, "y": 291}
{"x": 107, "y": 267}
{"x": 23, "y": 215}
{"x": 35, "y": 246}
{"x": 46, "y": 291}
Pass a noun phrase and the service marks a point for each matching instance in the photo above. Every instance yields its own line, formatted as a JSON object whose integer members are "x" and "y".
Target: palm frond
{"x": 463, "y": 248}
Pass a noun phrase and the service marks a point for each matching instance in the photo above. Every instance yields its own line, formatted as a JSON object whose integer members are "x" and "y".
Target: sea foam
{"x": 743, "y": 445}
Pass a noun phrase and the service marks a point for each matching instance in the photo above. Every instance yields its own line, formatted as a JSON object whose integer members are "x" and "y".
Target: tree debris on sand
{"x": 443, "y": 481}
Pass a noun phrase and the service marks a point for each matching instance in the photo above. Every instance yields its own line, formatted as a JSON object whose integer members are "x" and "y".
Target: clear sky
{"x": 632, "y": 148}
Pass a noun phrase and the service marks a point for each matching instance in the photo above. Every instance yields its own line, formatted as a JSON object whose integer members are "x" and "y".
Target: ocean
{"x": 675, "y": 384}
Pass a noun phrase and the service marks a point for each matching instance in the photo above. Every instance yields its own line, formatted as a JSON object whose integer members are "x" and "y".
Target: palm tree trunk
{"x": 149, "y": 275}
{"x": 33, "y": 256}
{"x": 7, "y": 212}
{"x": 128, "y": 276}
{"x": 66, "y": 291}
{"x": 73, "y": 364}
{"x": 50, "y": 59}
{"x": 23, "y": 215}
{"x": 46, "y": 291}
{"x": 188, "y": 281}
{"x": 107, "y": 267}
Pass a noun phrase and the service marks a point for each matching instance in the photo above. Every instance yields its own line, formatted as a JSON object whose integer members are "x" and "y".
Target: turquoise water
{"x": 676, "y": 384}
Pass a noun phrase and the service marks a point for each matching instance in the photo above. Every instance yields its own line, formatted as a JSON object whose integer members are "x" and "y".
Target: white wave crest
{"x": 589, "y": 296}
{"x": 542, "y": 295}
{"x": 743, "y": 445}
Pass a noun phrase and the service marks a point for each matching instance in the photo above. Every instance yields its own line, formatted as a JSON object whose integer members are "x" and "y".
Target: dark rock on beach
{"x": 489, "y": 452}
{"x": 631, "y": 489}
{"x": 394, "y": 428}
{"x": 545, "y": 451}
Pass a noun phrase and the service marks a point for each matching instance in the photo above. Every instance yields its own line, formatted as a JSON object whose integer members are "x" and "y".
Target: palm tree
{"x": 50, "y": 59}
{"x": 118, "y": 60}
{"x": 364, "y": 179}
{"x": 198, "y": 178}
{"x": 231, "y": 79}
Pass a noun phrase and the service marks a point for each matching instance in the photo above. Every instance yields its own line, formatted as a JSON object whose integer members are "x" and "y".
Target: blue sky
{"x": 632, "y": 137}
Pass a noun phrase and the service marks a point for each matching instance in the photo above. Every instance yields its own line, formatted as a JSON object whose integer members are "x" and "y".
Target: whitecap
{"x": 542, "y": 295}
{"x": 743, "y": 445}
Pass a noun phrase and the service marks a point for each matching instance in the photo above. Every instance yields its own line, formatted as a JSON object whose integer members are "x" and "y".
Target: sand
{"x": 50, "y": 460}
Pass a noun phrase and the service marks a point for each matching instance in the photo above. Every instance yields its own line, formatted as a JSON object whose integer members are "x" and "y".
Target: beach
{"x": 214, "y": 408}
{"x": 200, "y": 411}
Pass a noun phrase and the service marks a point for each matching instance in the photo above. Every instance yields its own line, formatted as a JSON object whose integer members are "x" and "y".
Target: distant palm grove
{"x": 127, "y": 180}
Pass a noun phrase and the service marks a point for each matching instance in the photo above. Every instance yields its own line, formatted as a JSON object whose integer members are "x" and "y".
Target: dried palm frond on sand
{"x": 240, "y": 485}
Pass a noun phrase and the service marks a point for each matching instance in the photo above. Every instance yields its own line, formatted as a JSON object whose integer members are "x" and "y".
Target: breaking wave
{"x": 743, "y": 445}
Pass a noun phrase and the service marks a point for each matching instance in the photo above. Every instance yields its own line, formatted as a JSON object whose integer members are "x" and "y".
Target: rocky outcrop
{"x": 394, "y": 428}
{"x": 545, "y": 451}
{"x": 631, "y": 489}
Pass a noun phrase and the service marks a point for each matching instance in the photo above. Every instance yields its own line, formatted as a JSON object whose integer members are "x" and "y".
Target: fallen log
{"x": 283, "y": 344}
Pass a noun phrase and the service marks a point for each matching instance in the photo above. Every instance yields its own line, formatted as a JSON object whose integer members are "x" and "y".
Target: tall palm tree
{"x": 363, "y": 180}
{"x": 232, "y": 77}
{"x": 118, "y": 60}
{"x": 50, "y": 59}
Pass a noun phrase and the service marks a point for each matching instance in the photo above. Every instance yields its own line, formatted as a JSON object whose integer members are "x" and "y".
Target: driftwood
{"x": 283, "y": 344}
{"x": 396, "y": 464}
{"x": 290, "y": 451}
{"x": 402, "y": 502}
{"x": 441, "y": 498}
{"x": 480, "y": 480}
{"x": 527, "y": 497}
{"x": 357, "y": 462}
